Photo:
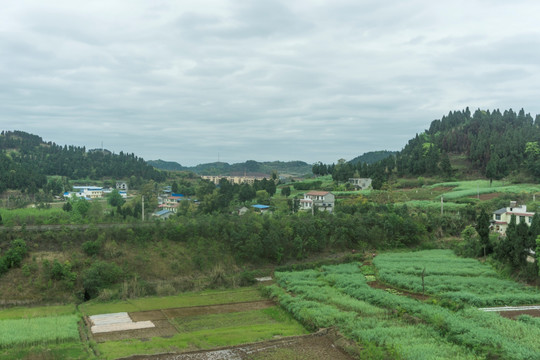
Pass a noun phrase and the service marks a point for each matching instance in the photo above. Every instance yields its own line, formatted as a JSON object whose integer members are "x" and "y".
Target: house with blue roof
{"x": 262, "y": 208}
{"x": 163, "y": 214}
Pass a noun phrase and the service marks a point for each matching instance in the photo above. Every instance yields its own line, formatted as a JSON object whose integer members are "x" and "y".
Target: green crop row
{"x": 413, "y": 329}
{"x": 448, "y": 276}
{"x": 374, "y": 326}
{"x": 472, "y": 188}
{"x": 36, "y": 331}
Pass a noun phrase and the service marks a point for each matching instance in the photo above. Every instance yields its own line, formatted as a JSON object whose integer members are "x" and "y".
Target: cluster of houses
{"x": 233, "y": 179}
{"x": 95, "y": 192}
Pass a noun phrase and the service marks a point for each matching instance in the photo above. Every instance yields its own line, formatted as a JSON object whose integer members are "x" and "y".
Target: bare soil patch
{"x": 531, "y": 310}
{"x": 162, "y": 328}
{"x": 318, "y": 346}
{"x": 217, "y": 309}
{"x": 515, "y": 314}
{"x": 379, "y": 285}
{"x": 484, "y": 197}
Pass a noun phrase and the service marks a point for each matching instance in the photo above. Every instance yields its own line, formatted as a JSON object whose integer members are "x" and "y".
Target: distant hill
{"x": 248, "y": 167}
{"x": 490, "y": 144}
{"x": 372, "y": 157}
{"x": 26, "y": 161}
{"x": 166, "y": 165}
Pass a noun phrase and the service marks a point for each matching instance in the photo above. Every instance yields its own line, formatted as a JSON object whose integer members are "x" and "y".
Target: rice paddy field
{"x": 390, "y": 324}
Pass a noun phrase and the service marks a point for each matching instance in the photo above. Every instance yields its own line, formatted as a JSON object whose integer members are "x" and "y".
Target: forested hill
{"x": 26, "y": 160}
{"x": 248, "y": 167}
{"x": 493, "y": 144}
{"x": 496, "y": 143}
{"x": 372, "y": 157}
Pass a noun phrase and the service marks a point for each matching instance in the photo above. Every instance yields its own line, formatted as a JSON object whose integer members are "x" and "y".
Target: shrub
{"x": 99, "y": 276}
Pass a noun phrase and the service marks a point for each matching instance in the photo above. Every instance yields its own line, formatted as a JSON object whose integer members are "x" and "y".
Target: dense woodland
{"x": 25, "y": 161}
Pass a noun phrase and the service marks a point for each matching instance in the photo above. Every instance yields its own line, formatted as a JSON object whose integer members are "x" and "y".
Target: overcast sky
{"x": 311, "y": 80}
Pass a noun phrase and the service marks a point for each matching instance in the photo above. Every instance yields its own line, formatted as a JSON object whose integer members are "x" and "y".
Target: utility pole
{"x": 143, "y": 208}
{"x": 442, "y": 205}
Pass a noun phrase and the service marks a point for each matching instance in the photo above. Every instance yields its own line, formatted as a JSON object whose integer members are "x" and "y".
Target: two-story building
{"x": 323, "y": 200}
{"x": 360, "y": 183}
{"x": 501, "y": 217}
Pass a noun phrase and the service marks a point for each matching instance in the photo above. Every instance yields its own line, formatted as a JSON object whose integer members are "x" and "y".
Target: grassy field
{"x": 210, "y": 297}
{"x": 41, "y": 311}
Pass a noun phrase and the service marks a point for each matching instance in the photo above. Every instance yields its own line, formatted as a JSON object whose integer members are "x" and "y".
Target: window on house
{"x": 497, "y": 216}
{"x": 522, "y": 219}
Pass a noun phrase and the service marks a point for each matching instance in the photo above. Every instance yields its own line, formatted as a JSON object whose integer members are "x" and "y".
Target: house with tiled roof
{"x": 502, "y": 217}
{"x": 323, "y": 200}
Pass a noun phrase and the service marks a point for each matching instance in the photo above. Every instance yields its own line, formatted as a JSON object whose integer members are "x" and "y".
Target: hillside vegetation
{"x": 26, "y": 161}
{"x": 487, "y": 144}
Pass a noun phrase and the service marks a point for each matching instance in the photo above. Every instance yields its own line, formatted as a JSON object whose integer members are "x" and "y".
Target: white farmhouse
{"x": 324, "y": 200}
{"x": 501, "y": 217}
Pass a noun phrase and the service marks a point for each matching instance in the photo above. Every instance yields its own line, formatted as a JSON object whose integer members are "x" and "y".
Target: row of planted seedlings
{"x": 339, "y": 296}
{"x": 38, "y": 330}
{"x": 460, "y": 280}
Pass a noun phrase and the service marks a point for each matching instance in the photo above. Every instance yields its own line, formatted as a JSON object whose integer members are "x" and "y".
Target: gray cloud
{"x": 263, "y": 80}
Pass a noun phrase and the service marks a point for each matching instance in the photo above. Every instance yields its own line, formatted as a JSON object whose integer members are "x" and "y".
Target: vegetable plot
{"x": 36, "y": 331}
{"x": 450, "y": 277}
{"x": 399, "y": 326}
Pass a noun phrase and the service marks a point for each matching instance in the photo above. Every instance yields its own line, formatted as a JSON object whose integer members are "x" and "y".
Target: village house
{"x": 163, "y": 214}
{"x": 121, "y": 185}
{"x": 171, "y": 202}
{"x": 323, "y": 200}
{"x": 360, "y": 183}
{"x": 85, "y": 192}
{"x": 501, "y": 217}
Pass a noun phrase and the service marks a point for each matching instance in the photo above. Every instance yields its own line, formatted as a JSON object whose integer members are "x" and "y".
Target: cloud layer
{"x": 263, "y": 80}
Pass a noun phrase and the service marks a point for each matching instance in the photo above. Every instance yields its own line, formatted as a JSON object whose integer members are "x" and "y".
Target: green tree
{"x": 286, "y": 191}
{"x": 263, "y": 197}
{"x": 471, "y": 244}
{"x": 482, "y": 228}
{"x": 100, "y": 276}
{"x": 246, "y": 192}
{"x": 67, "y": 207}
{"x": 446, "y": 166}
{"x": 115, "y": 199}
